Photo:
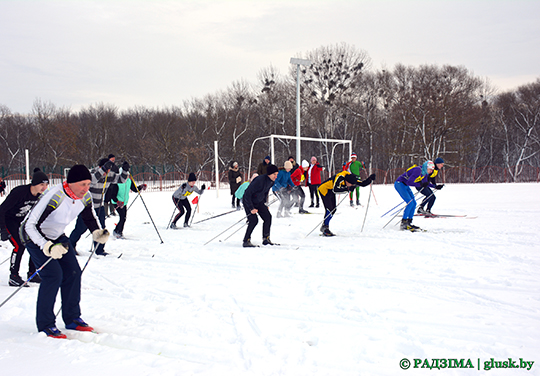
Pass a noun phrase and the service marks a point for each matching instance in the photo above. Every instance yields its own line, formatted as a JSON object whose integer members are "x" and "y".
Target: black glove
{"x": 5, "y": 235}
{"x": 107, "y": 166}
{"x": 439, "y": 186}
{"x": 125, "y": 166}
{"x": 372, "y": 177}
{"x": 142, "y": 187}
{"x": 203, "y": 187}
{"x": 425, "y": 184}
{"x": 184, "y": 186}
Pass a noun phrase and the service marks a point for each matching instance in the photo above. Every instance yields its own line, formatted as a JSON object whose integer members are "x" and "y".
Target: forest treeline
{"x": 394, "y": 117}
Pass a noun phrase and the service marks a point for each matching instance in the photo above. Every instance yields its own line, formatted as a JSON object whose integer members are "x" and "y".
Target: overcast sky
{"x": 160, "y": 53}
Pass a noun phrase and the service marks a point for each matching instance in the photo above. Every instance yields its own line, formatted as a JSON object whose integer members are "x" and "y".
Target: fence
{"x": 171, "y": 180}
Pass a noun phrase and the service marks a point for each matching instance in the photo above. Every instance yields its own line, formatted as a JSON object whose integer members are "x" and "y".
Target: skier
{"x": 297, "y": 177}
{"x": 43, "y": 233}
{"x": 313, "y": 180}
{"x": 341, "y": 182}
{"x": 235, "y": 180}
{"x": 239, "y": 194}
{"x": 426, "y": 191}
{"x": 254, "y": 201}
{"x": 417, "y": 177}
{"x": 282, "y": 189}
{"x": 12, "y": 212}
{"x": 120, "y": 202}
{"x": 354, "y": 166}
{"x": 102, "y": 178}
{"x": 112, "y": 191}
{"x": 180, "y": 199}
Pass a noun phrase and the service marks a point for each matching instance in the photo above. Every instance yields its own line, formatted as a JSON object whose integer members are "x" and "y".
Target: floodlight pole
{"x": 298, "y": 62}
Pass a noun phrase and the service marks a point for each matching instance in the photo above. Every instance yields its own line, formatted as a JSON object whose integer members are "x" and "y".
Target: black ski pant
{"x": 429, "y": 199}
{"x": 237, "y": 200}
{"x": 122, "y": 213}
{"x": 64, "y": 274}
{"x": 18, "y": 250}
{"x": 264, "y": 213}
{"x": 314, "y": 192}
{"x": 184, "y": 207}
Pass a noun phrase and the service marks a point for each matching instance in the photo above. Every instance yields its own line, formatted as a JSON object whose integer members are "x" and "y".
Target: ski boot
{"x": 326, "y": 231}
{"x": 267, "y": 241}
{"x": 248, "y": 244}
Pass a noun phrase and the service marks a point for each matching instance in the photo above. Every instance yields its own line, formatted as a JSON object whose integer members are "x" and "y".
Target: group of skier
{"x": 286, "y": 185}
{"x": 33, "y": 217}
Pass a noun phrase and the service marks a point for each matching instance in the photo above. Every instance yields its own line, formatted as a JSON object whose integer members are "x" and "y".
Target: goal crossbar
{"x": 274, "y": 136}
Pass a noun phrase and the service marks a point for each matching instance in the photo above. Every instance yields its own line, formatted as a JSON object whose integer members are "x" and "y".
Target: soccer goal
{"x": 272, "y": 137}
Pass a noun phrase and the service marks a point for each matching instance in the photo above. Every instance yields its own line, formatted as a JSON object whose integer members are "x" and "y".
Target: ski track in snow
{"x": 354, "y": 304}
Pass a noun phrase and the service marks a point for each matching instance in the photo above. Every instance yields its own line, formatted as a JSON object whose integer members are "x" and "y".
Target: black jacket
{"x": 257, "y": 192}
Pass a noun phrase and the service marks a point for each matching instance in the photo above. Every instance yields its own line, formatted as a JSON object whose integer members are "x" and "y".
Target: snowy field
{"x": 355, "y": 304}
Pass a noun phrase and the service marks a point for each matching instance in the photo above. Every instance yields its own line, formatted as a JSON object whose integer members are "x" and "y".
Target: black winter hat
{"x": 271, "y": 169}
{"x": 39, "y": 177}
{"x": 351, "y": 178}
{"x": 78, "y": 173}
{"x": 110, "y": 156}
{"x": 192, "y": 177}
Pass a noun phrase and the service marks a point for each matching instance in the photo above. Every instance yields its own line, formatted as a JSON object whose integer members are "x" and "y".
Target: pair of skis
{"x": 442, "y": 216}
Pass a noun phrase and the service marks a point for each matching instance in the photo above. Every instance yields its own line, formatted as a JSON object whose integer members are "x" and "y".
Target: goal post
{"x": 274, "y": 136}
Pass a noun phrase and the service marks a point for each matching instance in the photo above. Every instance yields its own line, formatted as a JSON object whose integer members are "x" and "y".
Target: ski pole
{"x": 194, "y": 211}
{"x": 241, "y": 219}
{"x": 400, "y": 210}
{"x": 235, "y": 231}
{"x": 28, "y": 280}
{"x": 367, "y": 207}
{"x": 3, "y": 262}
{"x": 172, "y": 216}
{"x": 228, "y": 228}
{"x": 401, "y": 203}
{"x": 132, "y": 203}
{"x": 144, "y": 203}
{"x": 329, "y": 214}
{"x": 215, "y": 216}
{"x": 375, "y": 198}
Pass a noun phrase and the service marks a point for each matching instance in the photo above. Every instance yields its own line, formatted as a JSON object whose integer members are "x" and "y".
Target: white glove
{"x": 55, "y": 251}
{"x": 100, "y": 236}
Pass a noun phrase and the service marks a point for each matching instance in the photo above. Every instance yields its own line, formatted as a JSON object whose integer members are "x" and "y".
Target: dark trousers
{"x": 80, "y": 228}
{"x": 63, "y": 274}
{"x": 184, "y": 207}
{"x": 122, "y": 213}
{"x": 264, "y": 213}
{"x": 329, "y": 202}
{"x": 18, "y": 250}
{"x": 237, "y": 201}
{"x": 429, "y": 199}
{"x": 314, "y": 192}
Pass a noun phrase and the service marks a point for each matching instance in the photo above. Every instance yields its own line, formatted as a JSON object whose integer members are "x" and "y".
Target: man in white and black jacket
{"x": 12, "y": 212}
{"x": 102, "y": 177}
{"x": 43, "y": 233}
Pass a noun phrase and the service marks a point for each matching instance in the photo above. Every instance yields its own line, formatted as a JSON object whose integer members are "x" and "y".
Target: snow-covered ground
{"x": 355, "y": 304}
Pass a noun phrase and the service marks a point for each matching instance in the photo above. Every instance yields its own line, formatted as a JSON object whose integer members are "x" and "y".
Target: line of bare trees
{"x": 395, "y": 117}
